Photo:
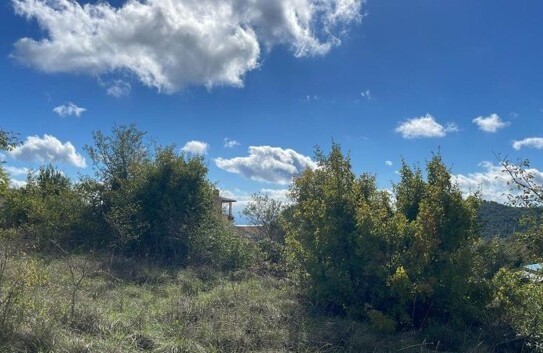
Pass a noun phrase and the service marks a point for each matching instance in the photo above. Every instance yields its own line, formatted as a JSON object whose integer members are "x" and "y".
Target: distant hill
{"x": 498, "y": 220}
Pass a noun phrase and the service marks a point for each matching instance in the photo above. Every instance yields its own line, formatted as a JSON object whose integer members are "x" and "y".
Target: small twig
{"x": 75, "y": 281}
{"x": 423, "y": 344}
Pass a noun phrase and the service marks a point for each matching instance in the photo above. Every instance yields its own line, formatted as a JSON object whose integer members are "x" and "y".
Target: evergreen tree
{"x": 355, "y": 250}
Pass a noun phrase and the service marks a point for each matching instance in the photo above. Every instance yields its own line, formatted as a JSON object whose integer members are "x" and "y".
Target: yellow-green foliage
{"x": 519, "y": 301}
{"x": 143, "y": 204}
{"x": 350, "y": 245}
{"x": 20, "y": 276}
{"x": 47, "y": 209}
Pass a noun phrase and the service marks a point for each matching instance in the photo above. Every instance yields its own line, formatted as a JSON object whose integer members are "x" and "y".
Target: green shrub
{"x": 159, "y": 206}
{"x": 381, "y": 322}
{"x": 19, "y": 274}
{"x": 518, "y": 301}
{"x": 217, "y": 243}
{"x": 350, "y": 245}
{"x": 48, "y": 209}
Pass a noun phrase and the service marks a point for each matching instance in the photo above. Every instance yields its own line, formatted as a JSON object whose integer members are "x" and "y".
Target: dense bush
{"x": 47, "y": 210}
{"x": 157, "y": 205}
{"x": 160, "y": 205}
{"x": 518, "y": 303}
{"x": 357, "y": 250}
{"x": 175, "y": 200}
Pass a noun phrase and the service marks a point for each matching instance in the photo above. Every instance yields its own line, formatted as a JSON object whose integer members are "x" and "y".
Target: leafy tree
{"x": 117, "y": 157}
{"x": 8, "y": 140}
{"x": 518, "y": 298}
{"x": 519, "y": 303}
{"x": 321, "y": 230}
{"x": 355, "y": 250}
{"x": 339, "y": 236}
{"x": 382, "y": 285}
{"x": 439, "y": 255}
{"x": 527, "y": 191}
{"x": 267, "y": 216}
{"x": 522, "y": 179}
{"x": 118, "y": 160}
{"x": 409, "y": 192}
{"x": 48, "y": 208}
{"x": 265, "y": 212}
{"x": 177, "y": 204}
{"x": 4, "y": 182}
{"x": 51, "y": 181}
{"x": 176, "y": 199}
{"x": 157, "y": 205}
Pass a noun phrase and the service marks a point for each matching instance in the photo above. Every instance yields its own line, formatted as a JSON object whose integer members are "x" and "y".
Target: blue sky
{"x": 255, "y": 85}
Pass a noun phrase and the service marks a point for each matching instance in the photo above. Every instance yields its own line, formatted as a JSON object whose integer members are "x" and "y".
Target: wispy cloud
{"x": 366, "y": 94}
{"x": 170, "y": 45}
{"x": 196, "y": 147}
{"x": 48, "y": 149}
{"x": 389, "y": 163}
{"x": 267, "y": 164}
{"x": 491, "y": 123}
{"x": 119, "y": 89}
{"x": 424, "y": 127}
{"x": 228, "y": 143}
{"x": 531, "y": 142}
{"x": 69, "y": 109}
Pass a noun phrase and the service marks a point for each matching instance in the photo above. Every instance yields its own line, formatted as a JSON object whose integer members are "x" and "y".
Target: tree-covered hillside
{"x": 498, "y": 220}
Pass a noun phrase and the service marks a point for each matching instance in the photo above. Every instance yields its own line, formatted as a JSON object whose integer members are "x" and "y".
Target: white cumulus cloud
{"x": 533, "y": 142}
{"x": 48, "y": 149}
{"x": 196, "y": 147}
{"x": 15, "y": 171}
{"x": 492, "y": 182}
{"x": 243, "y": 197}
{"x": 69, "y": 109}
{"x": 228, "y": 143}
{"x": 491, "y": 123}
{"x": 278, "y": 194}
{"x": 172, "y": 44}
{"x": 17, "y": 184}
{"x": 424, "y": 126}
{"x": 389, "y": 163}
{"x": 268, "y": 164}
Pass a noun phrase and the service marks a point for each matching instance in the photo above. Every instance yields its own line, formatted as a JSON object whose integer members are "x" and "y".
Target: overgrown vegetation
{"x": 400, "y": 265}
{"x": 148, "y": 204}
{"x": 130, "y": 306}
{"x": 139, "y": 258}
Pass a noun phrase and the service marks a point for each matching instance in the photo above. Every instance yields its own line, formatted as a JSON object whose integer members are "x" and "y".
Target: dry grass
{"x": 125, "y": 306}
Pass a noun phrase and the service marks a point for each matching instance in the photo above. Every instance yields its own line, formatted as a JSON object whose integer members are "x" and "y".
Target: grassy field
{"x": 90, "y": 303}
